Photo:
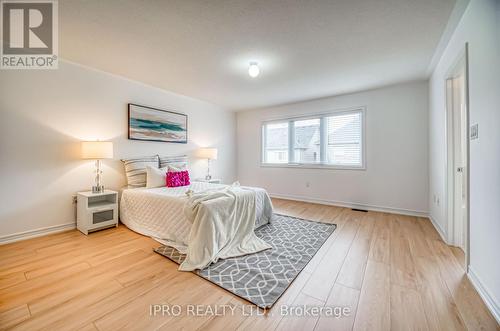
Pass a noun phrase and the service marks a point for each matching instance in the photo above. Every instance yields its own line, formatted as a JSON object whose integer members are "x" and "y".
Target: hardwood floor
{"x": 391, "y": 271}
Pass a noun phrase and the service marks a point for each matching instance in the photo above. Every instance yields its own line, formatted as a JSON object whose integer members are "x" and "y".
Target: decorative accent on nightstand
{"x": 96, "y": 211}
{"x": 97, "y": 150}
{"x": 209, "y": 154}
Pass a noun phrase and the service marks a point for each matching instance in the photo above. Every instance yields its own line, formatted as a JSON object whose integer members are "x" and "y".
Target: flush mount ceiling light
{"x": 253, "y": 69}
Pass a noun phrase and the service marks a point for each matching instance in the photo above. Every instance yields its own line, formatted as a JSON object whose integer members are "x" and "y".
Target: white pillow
{"x": 156, "y": 177}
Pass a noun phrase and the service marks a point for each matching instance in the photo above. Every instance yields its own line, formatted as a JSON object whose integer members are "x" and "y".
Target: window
{"x": 276, "y": 143}
{"x": 330, "y": 140}
{"x": 306, "y": 146}
{"x": 343, "y": 145}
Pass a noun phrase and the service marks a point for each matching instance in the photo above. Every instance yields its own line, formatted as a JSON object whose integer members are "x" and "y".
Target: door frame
{"x": 461, "y": 59}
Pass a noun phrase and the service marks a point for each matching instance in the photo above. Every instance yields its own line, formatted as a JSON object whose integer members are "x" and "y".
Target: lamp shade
{"x": 97, "y": 150}
{"x": 207, "y": 153}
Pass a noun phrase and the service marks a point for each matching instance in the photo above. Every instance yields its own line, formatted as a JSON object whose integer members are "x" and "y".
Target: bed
{"x": 158, "y": 212}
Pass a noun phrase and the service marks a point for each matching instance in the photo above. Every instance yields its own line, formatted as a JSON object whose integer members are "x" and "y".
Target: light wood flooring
{"x": 393, "y": 271}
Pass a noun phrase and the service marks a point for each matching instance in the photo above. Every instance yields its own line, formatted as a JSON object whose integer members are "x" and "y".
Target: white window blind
{"x": 332, "y": 140}
{"x": 344, "y": 139}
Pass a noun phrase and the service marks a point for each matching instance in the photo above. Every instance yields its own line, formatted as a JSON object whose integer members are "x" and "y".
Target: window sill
{"x": 310, "y": 166}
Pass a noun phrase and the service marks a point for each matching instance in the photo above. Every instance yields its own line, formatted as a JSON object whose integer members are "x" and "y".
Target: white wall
{"x": 46, "y": 113}
{"x": 480, "y": 27}
{"x": 396, "y": 174}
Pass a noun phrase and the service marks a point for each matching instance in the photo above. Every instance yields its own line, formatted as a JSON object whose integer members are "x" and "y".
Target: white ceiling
{"x": 306, "y": 49}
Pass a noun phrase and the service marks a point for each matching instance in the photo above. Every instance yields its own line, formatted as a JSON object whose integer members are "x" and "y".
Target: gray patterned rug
{"x": 263, "y": 277}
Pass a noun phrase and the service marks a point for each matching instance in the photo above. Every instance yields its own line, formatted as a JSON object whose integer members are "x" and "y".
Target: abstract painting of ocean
{"x": 153, "y": 124}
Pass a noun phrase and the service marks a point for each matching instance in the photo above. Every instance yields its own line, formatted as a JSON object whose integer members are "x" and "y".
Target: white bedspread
{"x": 158, "y": 212}
{"x": 223, "y": 226}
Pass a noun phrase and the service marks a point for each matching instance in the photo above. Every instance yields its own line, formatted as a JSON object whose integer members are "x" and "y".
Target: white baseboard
{"x": 391, "y": 210}
{"x": 484, "y": 293}
{"x": 36, "y": 233}
{"x": 439, "y": 230}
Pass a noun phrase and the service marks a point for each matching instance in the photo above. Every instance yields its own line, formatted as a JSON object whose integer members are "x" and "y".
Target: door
{"x": 458, "y": 154}
{"x": 460, "y": 161}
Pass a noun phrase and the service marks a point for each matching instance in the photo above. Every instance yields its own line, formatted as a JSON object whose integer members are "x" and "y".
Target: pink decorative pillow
{"x": 178, "y": 178}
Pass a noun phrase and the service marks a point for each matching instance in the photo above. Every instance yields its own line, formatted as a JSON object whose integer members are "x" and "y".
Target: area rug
{"x": 263, "y": 277}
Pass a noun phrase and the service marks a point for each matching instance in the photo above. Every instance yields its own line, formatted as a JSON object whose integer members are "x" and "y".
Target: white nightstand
{"x": 96, "y": 211}
{"x": 212, "y": 181}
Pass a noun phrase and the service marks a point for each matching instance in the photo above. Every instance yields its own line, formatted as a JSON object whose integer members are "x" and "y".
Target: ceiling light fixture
{"x": 253, "y": 69}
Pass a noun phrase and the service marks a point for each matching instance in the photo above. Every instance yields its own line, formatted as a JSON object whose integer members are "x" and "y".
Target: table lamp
{"x": 97, "y": 150}
{"x": 209, "y": 154}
